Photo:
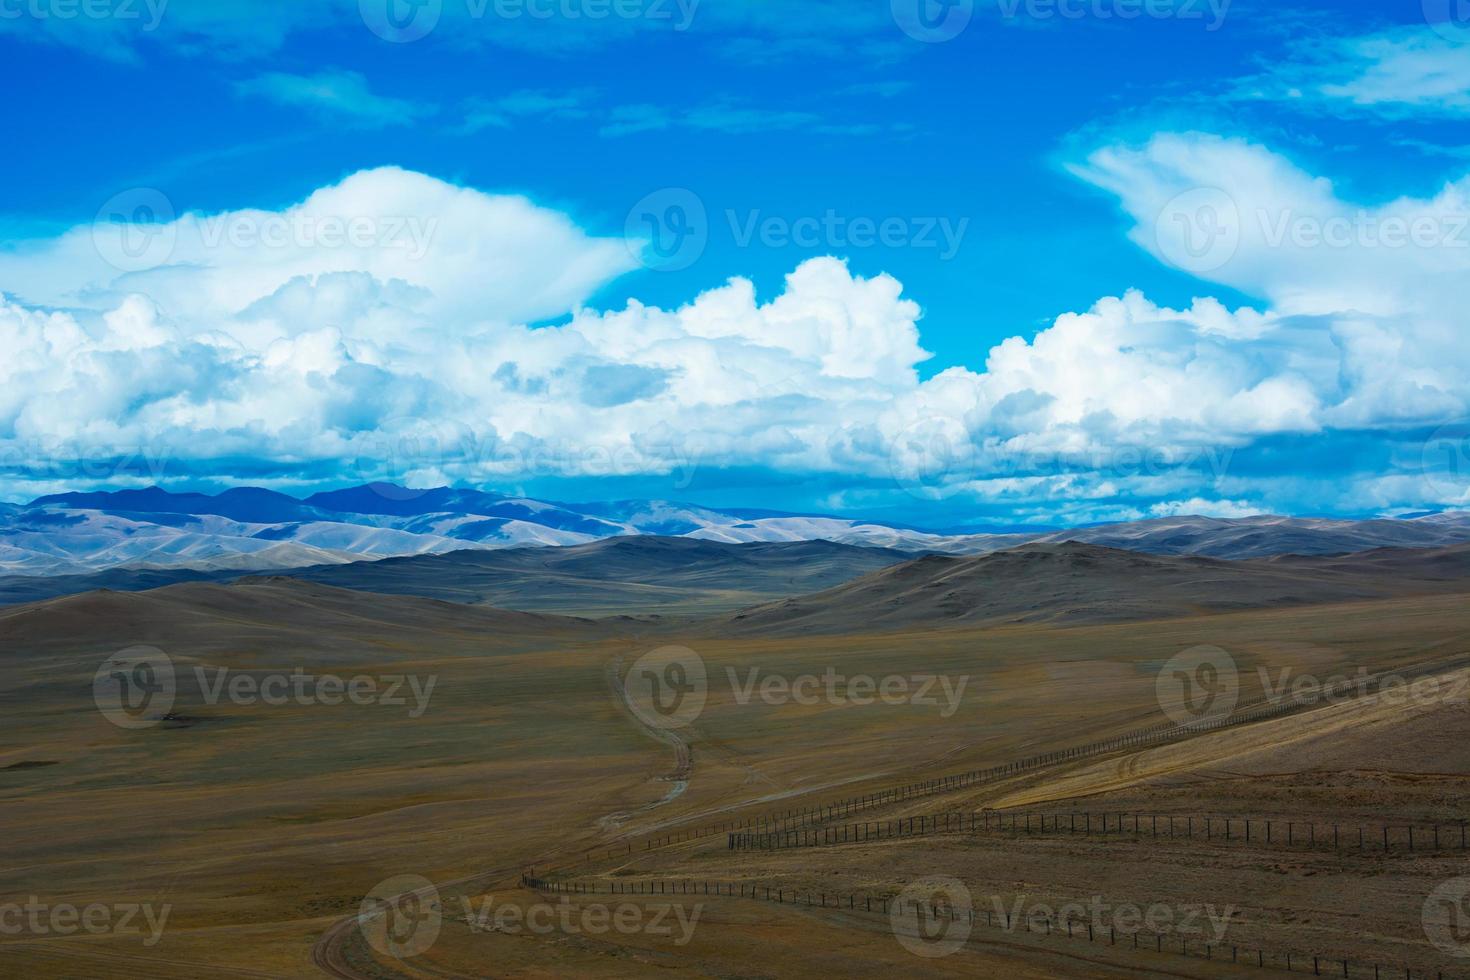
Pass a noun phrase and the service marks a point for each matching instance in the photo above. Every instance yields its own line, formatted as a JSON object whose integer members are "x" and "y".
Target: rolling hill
{"x": 1083, "y": 583}
{"x": 619, "y": 576}
{"x": 616, "y": 576}
{"x": 279, "y": 620}
{"x": 1259, "y": 537}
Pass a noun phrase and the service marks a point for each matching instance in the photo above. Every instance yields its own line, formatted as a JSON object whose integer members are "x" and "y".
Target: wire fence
{"x": 930, "y": 922}
{"x": 1213, "y": 828}
{"x": 814, "y": 816}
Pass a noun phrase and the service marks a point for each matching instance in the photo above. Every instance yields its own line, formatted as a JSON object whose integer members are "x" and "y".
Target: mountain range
{"x": 252, "y": 529}
{"x": 484, "y": 547}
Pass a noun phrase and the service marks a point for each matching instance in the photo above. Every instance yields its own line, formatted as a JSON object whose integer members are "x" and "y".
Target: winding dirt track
{"x": 329, "y": 955}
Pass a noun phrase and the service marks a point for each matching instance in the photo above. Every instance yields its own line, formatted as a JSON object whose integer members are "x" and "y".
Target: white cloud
{"x": 242, "y": 29}
{"x": 221, "y": 28}
{"x": 1419, "y": 70}
{"x": 308, "y": 352}
{"x": 482, "y": 113}
{"x": 1382, "y": 284}
{"x": 335, "y": 94}
{"x": 283, "y": 343}
{"x": 730, "y": 117}
{"x": 393, "y": 249}
{"x": 1395, "y": 73}
{"x": 1203, "y": 508}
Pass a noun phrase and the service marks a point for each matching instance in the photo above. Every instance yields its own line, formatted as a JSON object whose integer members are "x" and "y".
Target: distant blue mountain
{"x": 251, "y": 505}
{"x": 394, "y": 501}
{"x": 249, "y": 529}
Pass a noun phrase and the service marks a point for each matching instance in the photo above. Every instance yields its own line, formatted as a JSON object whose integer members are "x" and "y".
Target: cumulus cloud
{"x": 306, "y": 352}
{"x": 1384, "y": 281}
{"x": 278, "y": 337}
{"x": 392, "y": 249}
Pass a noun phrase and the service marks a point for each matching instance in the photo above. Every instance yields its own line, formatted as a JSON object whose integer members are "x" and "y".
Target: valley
{"x": 262, "y": 824}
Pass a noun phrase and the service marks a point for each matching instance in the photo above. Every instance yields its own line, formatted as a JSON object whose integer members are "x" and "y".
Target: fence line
{"x": 1260, "y": 831}
{"x": 925, "y": 913}
{"x": 813, "y": 816}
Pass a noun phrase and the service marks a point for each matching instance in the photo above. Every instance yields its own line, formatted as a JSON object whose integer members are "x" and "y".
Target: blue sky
{"x": 1015, "y": 158}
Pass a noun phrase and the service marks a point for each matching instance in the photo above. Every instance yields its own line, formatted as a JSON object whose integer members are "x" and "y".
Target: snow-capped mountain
{"x": 252, "y": 529}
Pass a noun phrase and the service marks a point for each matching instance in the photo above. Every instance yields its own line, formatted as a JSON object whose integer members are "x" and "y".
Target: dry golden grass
{"x": 264, "y": 826}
